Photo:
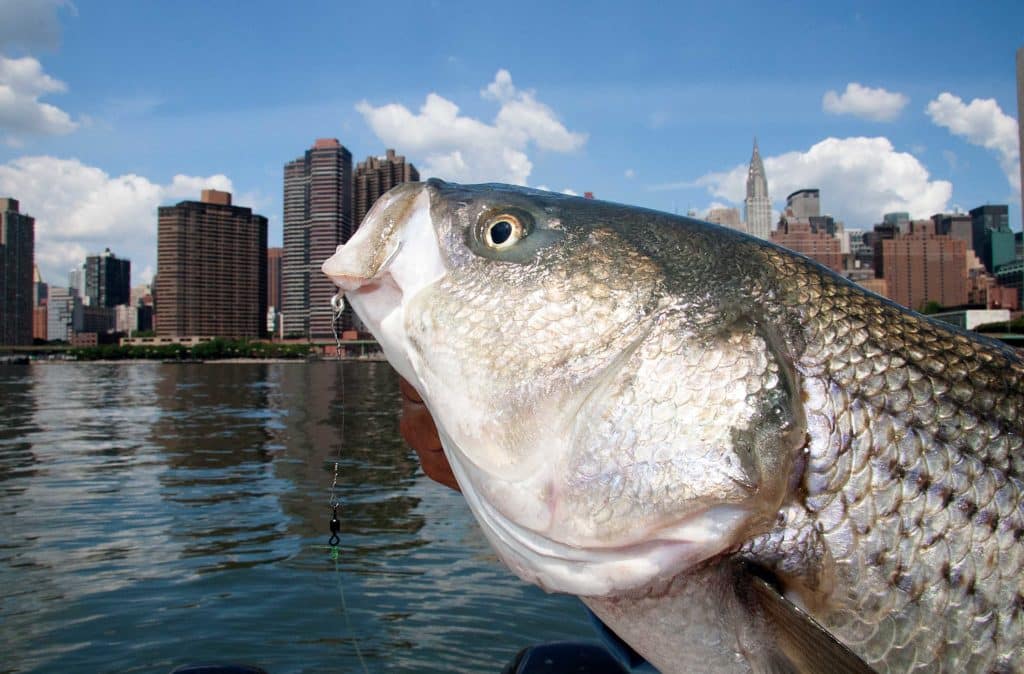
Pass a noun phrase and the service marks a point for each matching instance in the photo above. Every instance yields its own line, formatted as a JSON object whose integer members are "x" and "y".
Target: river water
{"x": 154, "y": 515}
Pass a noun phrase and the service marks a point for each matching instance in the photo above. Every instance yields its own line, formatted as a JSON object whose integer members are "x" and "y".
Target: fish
{"x": 739, "y": 460}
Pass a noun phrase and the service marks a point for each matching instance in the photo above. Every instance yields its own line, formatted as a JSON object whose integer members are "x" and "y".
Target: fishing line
{"x": 338, "y": 306}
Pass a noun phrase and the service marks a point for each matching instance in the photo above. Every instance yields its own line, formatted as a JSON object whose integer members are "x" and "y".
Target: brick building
{"x": 798, "y": 235}
{"x": 212, "y": 264}
{"x": 923, "y": 266}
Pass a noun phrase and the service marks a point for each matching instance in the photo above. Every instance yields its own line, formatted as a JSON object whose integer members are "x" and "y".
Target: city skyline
{"x": 884, "y": 119}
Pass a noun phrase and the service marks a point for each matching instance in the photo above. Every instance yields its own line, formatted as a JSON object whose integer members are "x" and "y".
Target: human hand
{"x": 418, "y": 429}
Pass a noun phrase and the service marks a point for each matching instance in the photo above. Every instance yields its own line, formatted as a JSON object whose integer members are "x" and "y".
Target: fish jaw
{"x": 645, "y": 567}
{"x": 391, "y": 258}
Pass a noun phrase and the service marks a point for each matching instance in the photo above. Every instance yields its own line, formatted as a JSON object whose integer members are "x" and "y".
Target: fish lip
{"x": 353, "y": 282}
{"x": 589, "y": 570}
{"x": 361, "y": 259}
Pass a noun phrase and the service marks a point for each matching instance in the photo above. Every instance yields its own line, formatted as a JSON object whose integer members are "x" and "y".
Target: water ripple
{"x": 158, "y": 514}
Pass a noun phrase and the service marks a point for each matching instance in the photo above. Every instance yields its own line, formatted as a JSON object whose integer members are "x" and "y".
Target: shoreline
{"x": 190, "y": 361}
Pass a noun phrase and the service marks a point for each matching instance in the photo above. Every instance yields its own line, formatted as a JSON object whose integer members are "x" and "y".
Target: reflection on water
{"x": 159, "y": 514}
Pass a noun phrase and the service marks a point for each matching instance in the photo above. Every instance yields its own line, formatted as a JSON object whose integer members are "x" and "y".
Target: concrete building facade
{"x": 212, "y": 264}
{"x": 757, "y": 207}
{"x": 17, "y": 266}
{"x": 804, "y": 204}
{"x": 60, "y": 313}
{"x": 317, "y": 219}
{"x": 376, "y": 175}
{"x": 955, "y": 225}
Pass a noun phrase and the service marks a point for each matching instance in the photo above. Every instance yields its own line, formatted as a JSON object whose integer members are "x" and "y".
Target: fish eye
{"x": 503, "y": 231}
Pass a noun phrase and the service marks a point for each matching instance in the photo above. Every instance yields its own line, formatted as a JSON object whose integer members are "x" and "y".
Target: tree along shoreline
{"x": 218, "y": 348}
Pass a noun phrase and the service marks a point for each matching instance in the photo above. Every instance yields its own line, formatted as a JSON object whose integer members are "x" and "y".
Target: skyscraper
{"x": 992, "y": 237}
{"x": 757, "y": 207}
{"x": 377, "y": 175}
{"x": 17, "y": 252}
{"x": 107, "y": 279}
{"x": 317, "y": 219}
{"x": 212, "y": 262}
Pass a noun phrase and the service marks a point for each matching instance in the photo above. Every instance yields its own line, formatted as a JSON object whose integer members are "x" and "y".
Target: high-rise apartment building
{"x": 107, "y": 280}
{"x": 757, "y": 207}
{"x": 993, "y": 239}
{"x": 212, "y": 262}
{"x": 17, "y": 263}
{"x": 377, "y": 175}
{"x": 922, "y": 266}
{"x": 317, "y": 219}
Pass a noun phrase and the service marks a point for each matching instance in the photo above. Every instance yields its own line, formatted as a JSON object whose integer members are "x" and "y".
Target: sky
{"x": 110, "y": 108}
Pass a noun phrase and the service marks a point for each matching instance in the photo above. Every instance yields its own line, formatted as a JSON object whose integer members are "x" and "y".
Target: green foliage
{"x": 218, "y": 348}
{"x": 931, "y": 307}
{"x": 1002, "y": 326}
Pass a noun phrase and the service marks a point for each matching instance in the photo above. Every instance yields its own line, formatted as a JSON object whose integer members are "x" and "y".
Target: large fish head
{"x": 570, "y": 383}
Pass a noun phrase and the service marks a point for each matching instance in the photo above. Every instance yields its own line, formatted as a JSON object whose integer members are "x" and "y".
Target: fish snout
{"x": 367, "y": 253}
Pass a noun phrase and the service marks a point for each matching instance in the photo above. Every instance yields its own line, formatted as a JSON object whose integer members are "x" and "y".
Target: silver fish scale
{"x": 912, "y": 484}
{"x": 898, "y": 522}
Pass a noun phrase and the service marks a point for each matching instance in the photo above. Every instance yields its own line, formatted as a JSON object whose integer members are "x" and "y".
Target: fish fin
{"x": 799, "y": 643}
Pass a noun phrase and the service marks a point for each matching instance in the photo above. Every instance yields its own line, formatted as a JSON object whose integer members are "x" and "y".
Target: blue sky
{"x": 108, "y": 109}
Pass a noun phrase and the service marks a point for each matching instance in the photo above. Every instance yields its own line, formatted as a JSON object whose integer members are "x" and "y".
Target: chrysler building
{"x": 757, "y": 207}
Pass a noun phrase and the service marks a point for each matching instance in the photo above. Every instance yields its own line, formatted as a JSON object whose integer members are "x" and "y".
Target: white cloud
{"x": 22, "y": 82}
{"x": 877, "y": 105}
{"x": 714, "y": 206}
{"x": 30, "y": 24}
{"x": 80, "y": 209}
{"x": 982, "y": 122}
{"x": 630, "y": 173}
{"x": 460, "y": 148}
{"x": 859, "y": 178}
